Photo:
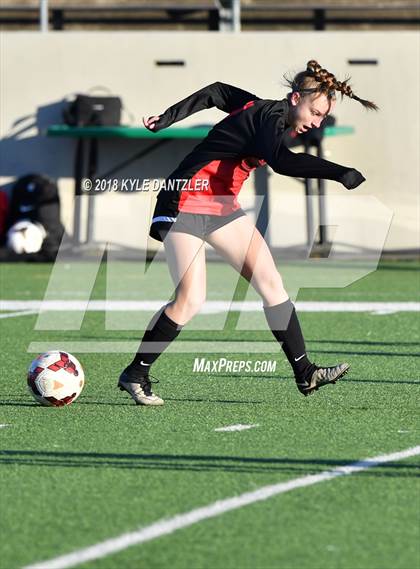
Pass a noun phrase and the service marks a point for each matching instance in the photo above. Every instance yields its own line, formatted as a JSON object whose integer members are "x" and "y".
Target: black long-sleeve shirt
{"x": 256, "y": 130}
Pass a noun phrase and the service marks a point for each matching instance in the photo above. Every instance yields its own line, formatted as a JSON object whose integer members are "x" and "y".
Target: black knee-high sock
{"x": 161, "y": 331}
{"x": 284, "y": 324}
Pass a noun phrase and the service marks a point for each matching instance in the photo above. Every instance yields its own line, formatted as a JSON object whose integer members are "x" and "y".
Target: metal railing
{"x": 213, "y": 17}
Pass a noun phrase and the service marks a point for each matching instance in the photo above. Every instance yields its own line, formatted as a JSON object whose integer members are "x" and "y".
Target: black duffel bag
{"x": 89, "y": 110}
{"x": 35, "y": 198}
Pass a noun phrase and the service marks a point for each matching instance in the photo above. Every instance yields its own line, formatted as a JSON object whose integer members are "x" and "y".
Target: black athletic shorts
{"x": 197, "y": 224}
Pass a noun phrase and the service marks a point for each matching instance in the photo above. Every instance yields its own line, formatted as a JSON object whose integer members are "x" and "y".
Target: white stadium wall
{"x": 39, "y": 70}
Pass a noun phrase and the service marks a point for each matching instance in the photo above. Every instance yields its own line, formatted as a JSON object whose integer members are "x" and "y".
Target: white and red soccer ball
{"x": 55, "y": 378}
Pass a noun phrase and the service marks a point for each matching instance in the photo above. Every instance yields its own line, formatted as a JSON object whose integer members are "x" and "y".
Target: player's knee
{"x": 193, "y": 304}
{"x": 189, "y": 306}
{"x": 272, "y": 290}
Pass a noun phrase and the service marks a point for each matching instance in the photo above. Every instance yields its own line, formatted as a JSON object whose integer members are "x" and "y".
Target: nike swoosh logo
{"x": 299, "y": 358}
{"x": 143, "y": 364}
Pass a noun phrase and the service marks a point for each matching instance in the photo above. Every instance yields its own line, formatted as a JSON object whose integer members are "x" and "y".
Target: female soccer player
{"x": 207, "y": 210}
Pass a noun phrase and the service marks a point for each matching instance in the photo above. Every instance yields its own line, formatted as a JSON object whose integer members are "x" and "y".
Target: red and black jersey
{"x": 255, "y": 128}
{"x": 213, "y": 190}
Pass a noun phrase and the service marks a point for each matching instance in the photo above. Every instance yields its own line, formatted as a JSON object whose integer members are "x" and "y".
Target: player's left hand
{"x": 352, "y": 178}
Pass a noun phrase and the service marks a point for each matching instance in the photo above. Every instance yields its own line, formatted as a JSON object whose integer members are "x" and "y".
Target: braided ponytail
{"x": 318, "y": 80}
{"x": 345, "y": 89}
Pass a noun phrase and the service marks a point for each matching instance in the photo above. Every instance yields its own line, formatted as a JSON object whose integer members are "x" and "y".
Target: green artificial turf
{"x": 75, "y": 476}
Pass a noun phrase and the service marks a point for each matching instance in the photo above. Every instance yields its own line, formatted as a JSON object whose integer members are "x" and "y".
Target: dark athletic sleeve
{"x": 304, "y": 165}
{"x": 300, "y": 165}
{"x": 225, "y": 97}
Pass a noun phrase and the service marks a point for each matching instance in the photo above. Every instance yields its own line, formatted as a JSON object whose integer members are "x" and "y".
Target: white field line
{"x": 180, "y": 521}
{"x": 235, "y": 428}
{"x": 20, "y": 313}
{"x": 2, "y": 426}
{"x": 210, "y": 307}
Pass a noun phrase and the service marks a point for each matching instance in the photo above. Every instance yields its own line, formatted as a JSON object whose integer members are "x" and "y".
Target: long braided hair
{"x": 316, "y": 79}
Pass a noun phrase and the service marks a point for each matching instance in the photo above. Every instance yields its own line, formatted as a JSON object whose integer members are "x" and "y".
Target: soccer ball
{"x": 55, "y": 378}
{"x": 26, "y": 237}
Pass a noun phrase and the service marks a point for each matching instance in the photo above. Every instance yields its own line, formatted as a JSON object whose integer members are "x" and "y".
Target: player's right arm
{"x": 225, "y": 97}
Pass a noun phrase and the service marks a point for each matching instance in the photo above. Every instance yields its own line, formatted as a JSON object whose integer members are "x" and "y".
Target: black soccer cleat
{"x": 322, "y": 376}
{"x": 140, "y": 389}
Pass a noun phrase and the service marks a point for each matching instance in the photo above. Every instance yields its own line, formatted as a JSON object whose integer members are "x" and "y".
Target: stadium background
{"x": 384, "y": 146}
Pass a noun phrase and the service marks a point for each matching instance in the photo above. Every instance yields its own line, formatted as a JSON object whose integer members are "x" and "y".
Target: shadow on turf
{"x": 396, "y": 267}
{"x": 291, "y": 379}
{"x": 387, "y": 354}
{"x": 85, "y": 401}
{"x": 234, "y": 401}
{"x": 186, "y": 399}
{"x": 27, "y": 402}
{"x": 194, "y": 463}
{"x": 363, "y": 343}
{"x": 389, "y": 381}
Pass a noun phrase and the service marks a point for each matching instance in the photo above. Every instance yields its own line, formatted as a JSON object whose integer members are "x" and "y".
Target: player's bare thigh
{"x": 185, "y": 255}
{"x": 243, "y": 246}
